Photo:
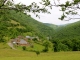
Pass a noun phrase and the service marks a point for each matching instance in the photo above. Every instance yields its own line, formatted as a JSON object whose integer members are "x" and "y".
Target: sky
{"x": 48, "y": 18}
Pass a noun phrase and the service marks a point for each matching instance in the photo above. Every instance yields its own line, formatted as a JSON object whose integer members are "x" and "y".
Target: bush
{"x": 47, "y": 44}
{"x": 45, "y": 50}
{"x": 37, "y": 52}
{"x": 24, "y": 48}
{"x": 60, "y": 47}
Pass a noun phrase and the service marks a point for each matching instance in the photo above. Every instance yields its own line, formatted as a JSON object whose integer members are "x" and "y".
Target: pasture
{"x": 9, "y": 54}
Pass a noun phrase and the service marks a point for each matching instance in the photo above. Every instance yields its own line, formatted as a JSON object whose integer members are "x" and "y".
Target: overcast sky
{"x": 48, "y": 18}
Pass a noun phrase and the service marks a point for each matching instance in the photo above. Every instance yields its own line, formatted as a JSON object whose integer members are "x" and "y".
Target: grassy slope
{"x": 9, "y": 54}
{"x": 37, "y": 47}
{"x": 4, "y": 46}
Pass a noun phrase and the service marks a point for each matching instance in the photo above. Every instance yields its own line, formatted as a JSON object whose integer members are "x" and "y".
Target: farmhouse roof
{"x": 22, "y": 41}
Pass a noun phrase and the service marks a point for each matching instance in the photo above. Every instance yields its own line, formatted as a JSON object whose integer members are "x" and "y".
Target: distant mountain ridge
{"x": 52, "y": 25}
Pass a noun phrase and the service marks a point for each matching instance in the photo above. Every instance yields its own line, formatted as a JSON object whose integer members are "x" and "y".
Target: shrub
{"x": 37, "y": 52}
{"x": 45, "y": 50}
{"x": 24, "y": 48}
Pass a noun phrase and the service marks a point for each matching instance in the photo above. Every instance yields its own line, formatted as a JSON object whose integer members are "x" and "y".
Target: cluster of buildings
{"x": 22, "y": 41}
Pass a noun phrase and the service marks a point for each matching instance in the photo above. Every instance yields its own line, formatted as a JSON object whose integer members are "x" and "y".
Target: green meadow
{"x": 9, "y": 54}
{"x": 6, "y": 53}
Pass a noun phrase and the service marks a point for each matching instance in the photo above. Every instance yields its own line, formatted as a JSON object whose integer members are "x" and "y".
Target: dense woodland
{"x": 67, "y": 37}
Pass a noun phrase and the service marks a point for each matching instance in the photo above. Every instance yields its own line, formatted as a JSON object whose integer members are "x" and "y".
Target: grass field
{"x": 9, "y": 54}
{"x": 6, "y": 53}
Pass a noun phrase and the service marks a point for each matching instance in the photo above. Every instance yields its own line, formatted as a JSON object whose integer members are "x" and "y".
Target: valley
{"x": 54, "y": 42}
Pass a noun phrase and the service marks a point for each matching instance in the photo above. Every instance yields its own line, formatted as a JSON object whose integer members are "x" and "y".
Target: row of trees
{"x": 67, "y": 45}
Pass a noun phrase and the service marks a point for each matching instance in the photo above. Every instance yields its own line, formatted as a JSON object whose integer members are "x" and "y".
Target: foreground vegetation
{"x": 9, "y": 54}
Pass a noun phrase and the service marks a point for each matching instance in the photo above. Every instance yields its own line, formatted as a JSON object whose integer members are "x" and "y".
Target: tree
{"x": 47, "y": 44}
{"x": 33, "y": 7}
{"x": 69, "y": 9}
{"x": 37, "y": 52}
{"x": 24, "y": 48}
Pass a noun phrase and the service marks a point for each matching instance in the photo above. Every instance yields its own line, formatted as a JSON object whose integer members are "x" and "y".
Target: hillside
{"x": 15, "y": 23}
{"x": 68, "y": 31}
{"x": 64, "y": 38}
{"x": 67, "y": 37}
{"x": 52, "y": 25}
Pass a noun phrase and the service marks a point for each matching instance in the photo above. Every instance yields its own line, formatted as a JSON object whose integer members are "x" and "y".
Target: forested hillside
{"x": 13, "y": 24}
{"x": 67, "y": 37}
